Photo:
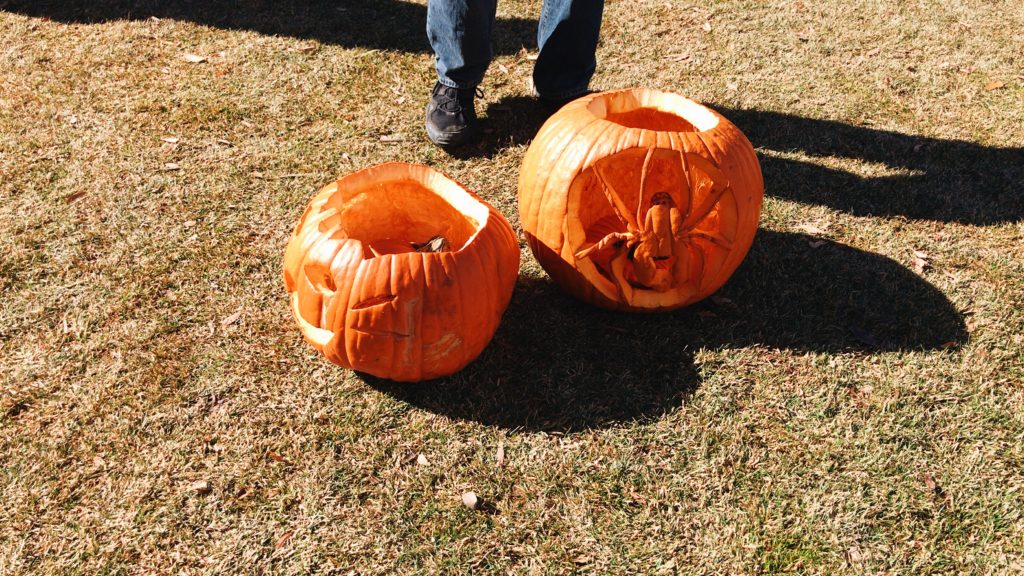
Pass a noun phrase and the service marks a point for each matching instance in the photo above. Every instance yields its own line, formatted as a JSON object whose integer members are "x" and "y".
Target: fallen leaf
{"x": 224, "y": 142}
{"x": 502, "y": 68}
{"x": 170, "y": 139}
{"x": 231, "y": 319}
{"x": 188, "y": 223}
{"x": 582, "y": 560}
{"x": 171, "y": 166}
{"x": 723, "y": 301}
{"x": 814, "y": 229}
{"x": 681, "y": 57}
{"x": 532, "y": 56}
{"x": 400, "y": 100}
{"x": 499, "y": 458}
{"x": 854, "y": 555}
{"x": 732, "y": 86}
{"x": 200, "y": 487}
{"x": 283, "y": 540}
{"x": 422, "y": 460}
{"x": 407, "y": 459}
{"x": 929, "y": 483}
{"x": 469, "y": 500}
{"x": 706, "y": 27}
{"x": 193, "y": 58}
{"x": 920, "y": 264}
{"x": 392, "y": 138}
{"x": 994, "y": 85}
{"x": 306, "y": 48}
{"x": 270, "y": 453}
{"x": 72, "y": 198}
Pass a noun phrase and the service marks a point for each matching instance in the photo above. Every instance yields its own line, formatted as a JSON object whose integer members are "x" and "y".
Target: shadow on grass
{"x": 559, "y": 365}
{"x": 375, "y": 24}
{"x": 942, "y": 180}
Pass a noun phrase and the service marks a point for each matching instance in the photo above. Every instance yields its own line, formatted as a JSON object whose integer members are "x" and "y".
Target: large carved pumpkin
{"x": 639, "y": 200}
{"x": 400, "y": 272}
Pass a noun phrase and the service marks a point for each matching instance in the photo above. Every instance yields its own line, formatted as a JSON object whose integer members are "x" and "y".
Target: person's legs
{"x": 567, "y": 36}
{"x": 460, "y": 34}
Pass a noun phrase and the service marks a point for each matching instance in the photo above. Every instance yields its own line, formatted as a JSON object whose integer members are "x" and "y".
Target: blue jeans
{"x": 460, "y": 33}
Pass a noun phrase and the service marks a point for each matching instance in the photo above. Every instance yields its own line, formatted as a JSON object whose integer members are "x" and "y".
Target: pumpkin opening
{"x": 405, "y": 215}
{"x": 652, "y": 110}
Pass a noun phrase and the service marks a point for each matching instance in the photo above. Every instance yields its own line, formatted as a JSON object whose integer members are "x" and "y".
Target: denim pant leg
{"x": 567, "y": 37}
{"x": 460, "y": 34}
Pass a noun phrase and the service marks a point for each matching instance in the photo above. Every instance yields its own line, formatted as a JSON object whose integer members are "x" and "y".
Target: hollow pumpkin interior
{"x": 652, "y": 110}
{"x": 392, "y": 216}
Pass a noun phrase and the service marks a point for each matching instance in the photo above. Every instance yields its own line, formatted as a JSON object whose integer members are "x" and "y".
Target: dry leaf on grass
{"x": 283, "y": 540}
{"x": 422, "y": 460}
{"x": 732, "y": 86}
{"x": 200, "y": 487}
{"x": 171, "y": 166}
{"x": 920, "y": 262}
{"x": 170, "y": 139}
{"x": 812, "y": 228}
{"x": 706, "y": 27}
{"x": 193, "y": 58}
{"x": 229, "y": 320}
{"x": 995, "y": 85}
{"x": 392, "y": 138}
{"x": 74, "y": 197}
{"x": 499, "y": 458}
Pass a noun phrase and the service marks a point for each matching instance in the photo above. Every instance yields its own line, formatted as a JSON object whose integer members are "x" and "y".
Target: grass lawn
{"x": 852, "y": 400}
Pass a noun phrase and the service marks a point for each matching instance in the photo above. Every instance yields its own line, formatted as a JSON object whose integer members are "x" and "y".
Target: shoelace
{"x": 452, "y": 102}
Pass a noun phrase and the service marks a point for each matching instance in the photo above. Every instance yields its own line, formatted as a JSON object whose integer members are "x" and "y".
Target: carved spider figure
{"x": 668, "y": 234}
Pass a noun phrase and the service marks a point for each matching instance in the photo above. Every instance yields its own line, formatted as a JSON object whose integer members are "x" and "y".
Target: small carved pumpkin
{"x": 639, "y": 200}
{"x": 400, "y": 272}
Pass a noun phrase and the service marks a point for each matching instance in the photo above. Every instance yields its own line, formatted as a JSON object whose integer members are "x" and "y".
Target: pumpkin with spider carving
{"x": 639, "y": 200}
{"x": 400, "y": 272}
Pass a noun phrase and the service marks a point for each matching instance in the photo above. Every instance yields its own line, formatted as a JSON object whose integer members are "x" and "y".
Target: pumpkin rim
{"x": 702, "y": 118}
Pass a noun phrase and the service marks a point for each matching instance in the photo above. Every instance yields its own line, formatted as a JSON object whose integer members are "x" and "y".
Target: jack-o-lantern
{"x": 400, "y": 272}
{"x": 639, "y": 200}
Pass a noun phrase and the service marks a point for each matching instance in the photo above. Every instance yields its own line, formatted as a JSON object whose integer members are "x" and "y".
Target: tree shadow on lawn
{"x": 556, "y": 364}
{"x": 374, "y": 24}
{"x": 942, "y": 180}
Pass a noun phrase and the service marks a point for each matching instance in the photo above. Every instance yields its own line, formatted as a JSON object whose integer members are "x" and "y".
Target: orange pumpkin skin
{"x": 368, "y": 301}
{"x": 639, "y": 200}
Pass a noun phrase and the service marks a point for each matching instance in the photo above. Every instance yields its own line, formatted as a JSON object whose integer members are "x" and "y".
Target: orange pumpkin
{"x": 400, "y": 272}
{"x": 639, "y": 200}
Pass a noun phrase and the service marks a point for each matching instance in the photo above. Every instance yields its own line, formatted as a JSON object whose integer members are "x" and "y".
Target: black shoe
{"x": 451, "y": 116}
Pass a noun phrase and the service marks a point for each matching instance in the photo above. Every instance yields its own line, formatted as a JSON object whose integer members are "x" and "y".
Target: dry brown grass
{"x": 837, "y": 412}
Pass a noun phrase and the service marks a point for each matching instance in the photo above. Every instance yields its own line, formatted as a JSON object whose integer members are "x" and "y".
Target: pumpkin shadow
{"x": 930, "y": 178}
{"x": 557, "y": 364}
{"x": 379, "y": 24}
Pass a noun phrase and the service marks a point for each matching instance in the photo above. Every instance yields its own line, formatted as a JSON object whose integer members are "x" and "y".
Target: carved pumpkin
{"x": 639, "y": 200}
{"x": 400, "y": 272}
